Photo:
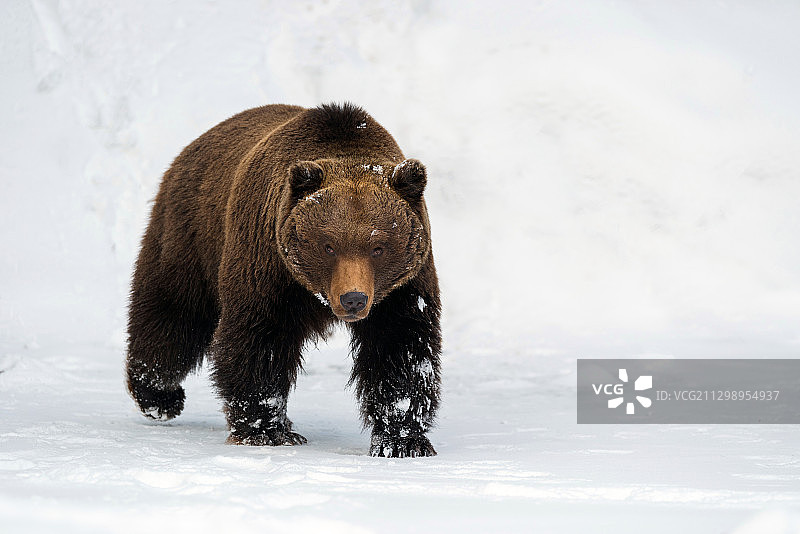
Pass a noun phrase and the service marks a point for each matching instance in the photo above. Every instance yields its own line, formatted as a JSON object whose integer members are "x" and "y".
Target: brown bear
{"x": 267, "y": 230}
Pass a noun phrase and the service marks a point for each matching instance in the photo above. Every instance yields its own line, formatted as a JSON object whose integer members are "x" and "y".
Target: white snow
{"x": 604, "y": 179}
{"x": 375, "y": 169}
{"x": 152, "y": 412}
{"x": 401, "y": 405}
{"x": 314, "y": 197}
{"x": 424, "y": 370}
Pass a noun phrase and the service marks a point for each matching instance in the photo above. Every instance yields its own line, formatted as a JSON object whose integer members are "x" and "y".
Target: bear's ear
{"x": 409, "y": 179}
{"x": 305, "y": 177}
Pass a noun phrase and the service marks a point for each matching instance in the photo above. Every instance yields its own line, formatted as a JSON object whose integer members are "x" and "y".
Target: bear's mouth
{"x": 349, "y": 317}
{"x": 353, "y": 316}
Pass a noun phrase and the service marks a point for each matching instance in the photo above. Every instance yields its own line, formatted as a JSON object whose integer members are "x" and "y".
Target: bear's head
{"x": 351, "y": 232}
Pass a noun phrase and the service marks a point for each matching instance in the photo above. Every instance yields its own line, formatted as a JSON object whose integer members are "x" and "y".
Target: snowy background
{"x": 606, "y": 179}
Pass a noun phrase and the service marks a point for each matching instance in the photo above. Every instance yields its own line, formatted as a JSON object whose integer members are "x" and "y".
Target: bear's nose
{"x": 353, "y": 301}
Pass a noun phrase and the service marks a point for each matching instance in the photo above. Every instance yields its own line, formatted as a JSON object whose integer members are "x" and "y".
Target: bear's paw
{"x": 159, "y": 404}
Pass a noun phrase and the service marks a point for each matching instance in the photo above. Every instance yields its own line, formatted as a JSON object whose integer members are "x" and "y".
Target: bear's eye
{"x": 329, "y": 250}
{"x": 377, "y": 251}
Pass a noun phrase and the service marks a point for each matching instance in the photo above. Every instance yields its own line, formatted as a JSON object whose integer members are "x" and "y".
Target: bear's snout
{"x": 352, "y": 288}
{"x": 353, "y": 302}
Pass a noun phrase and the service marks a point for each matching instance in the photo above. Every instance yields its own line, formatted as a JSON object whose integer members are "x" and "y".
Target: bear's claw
{"x": 386, "y": 446}
{"x": 273, "y": 438}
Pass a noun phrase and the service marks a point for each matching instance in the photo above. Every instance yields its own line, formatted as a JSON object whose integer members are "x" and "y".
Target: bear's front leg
{"x": 396, "y": 371}
{"x": 255, "y": 364}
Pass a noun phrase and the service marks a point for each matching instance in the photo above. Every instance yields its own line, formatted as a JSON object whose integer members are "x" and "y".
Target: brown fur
{"x": 254, "y": 218}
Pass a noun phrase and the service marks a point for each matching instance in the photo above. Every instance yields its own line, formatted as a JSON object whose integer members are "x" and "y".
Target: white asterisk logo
{"x": 642, "y": 383}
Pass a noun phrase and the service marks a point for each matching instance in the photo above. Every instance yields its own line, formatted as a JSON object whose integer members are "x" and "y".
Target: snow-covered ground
{"x": 606, "y": 179}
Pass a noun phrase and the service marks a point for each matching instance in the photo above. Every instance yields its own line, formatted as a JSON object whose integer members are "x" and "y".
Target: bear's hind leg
{"x": 170, "y": 325}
